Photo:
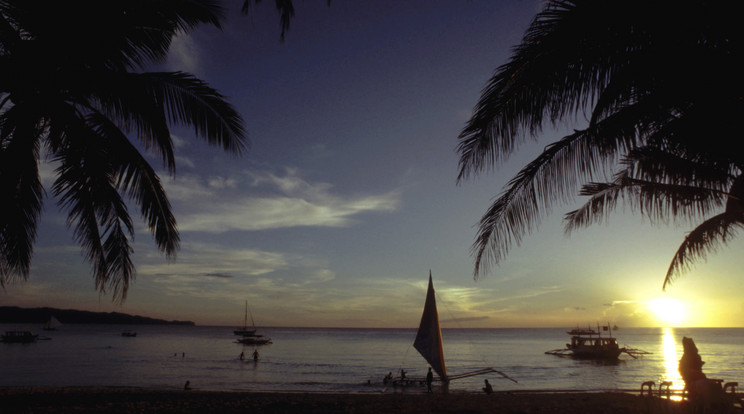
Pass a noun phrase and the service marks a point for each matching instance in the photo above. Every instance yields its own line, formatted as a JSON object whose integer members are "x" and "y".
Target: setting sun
{"x": 667, "y": 310}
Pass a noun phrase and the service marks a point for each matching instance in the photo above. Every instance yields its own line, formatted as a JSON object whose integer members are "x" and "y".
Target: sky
{"x": 347, "y": 196}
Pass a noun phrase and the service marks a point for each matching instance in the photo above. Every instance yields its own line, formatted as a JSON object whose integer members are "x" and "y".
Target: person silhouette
{"x": 429, "y": 380}
{"x": 487, "y": 389}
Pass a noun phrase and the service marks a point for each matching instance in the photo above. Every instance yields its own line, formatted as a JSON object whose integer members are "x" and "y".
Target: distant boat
{"x": 129, "y": 333}
{"x": 590, "y": 344}
{"x": 249, "y": 335}
{"x": 52, "y": 324}
{"x": 18, "y": 337}
{"x": 428, "y": 343}
{"x": 254, "y": 340}
{"x": 246, "y": 330}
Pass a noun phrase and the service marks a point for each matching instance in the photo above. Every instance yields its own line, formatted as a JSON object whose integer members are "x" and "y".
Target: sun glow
{"x": 667, "y": 310}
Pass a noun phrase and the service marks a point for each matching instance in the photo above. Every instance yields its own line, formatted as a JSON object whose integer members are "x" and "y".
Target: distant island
{"x": 13, "y": 314}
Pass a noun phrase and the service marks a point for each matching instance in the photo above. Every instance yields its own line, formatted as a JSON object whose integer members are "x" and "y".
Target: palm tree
{"x": 655, "y": 74}
{"x": 71, "y": 86}
{"x": 667, "y": 183}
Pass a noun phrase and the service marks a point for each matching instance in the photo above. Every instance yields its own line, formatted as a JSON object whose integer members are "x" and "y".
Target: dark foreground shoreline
{"x": 139, "y": 400}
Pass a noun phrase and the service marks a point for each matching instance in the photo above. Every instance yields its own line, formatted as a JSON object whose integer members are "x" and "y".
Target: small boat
{"x": 129, "y": 333}
{"x": 248, "y": 334}
{"x": 590, "y": 344}
{"x": 245, "y": 330}
{"x": 52, "y": 324}
{"x": 254, "y": 340}
{"x": 428, "y": 343}
{"x": 19, "y": 337}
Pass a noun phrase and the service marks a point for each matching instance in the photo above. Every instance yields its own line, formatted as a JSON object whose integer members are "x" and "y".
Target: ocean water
{"x": 349, "y": 360}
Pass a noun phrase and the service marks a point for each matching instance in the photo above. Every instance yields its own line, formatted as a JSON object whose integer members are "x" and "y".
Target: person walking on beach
{"x": 242, "y": 356}
{"x": 429, "y": 380}
{"x": 255, "y": 355}
{"x": 487, "y": 389}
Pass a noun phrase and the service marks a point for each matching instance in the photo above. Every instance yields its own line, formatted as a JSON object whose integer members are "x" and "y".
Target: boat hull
{"x": 601, "y": 354}
{"x": 21, "y": 337}
{"x": 254, "y": 341}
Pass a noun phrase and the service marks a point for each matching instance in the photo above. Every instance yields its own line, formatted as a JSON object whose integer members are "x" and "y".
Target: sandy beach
{"x": 136, "y": 400}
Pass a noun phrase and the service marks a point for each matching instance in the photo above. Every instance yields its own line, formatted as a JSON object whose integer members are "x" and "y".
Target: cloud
{"x": 469, "y": 319}
{"x": 263, "y": 201}
{"x": 203, "y": 260}
{"x": 184, "y": 55}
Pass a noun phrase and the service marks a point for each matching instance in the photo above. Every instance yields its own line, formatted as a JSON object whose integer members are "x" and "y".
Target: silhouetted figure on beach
{"x": 187, "y": 386}
{"x": 255, "y": 355}
{"x": 700, "y": 390}
{"x": 402, "y": 374}
{"x": 242, "y": 356}
{"x": 388, "y": 378}
{"x": 487, "y": 389}
{"x": 429, "y": 380}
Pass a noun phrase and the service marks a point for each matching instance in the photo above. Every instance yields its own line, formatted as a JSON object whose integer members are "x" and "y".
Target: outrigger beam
{"x": 480, "y": 372}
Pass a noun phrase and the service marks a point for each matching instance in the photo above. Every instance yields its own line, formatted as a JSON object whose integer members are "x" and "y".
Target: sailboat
{"x": 428, "y": 343}
{"x": 249, "y": 335}
{"x": 245, "y": 330}
{"x": 52, "y": 324}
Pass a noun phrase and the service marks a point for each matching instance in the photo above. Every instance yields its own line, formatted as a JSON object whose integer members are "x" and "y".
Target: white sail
{"x": 52, "y": 324}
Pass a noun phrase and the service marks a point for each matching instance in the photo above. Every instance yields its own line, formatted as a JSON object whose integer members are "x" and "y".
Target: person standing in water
{"x": 255, "y": 355}
{"x": 429, "y": 380}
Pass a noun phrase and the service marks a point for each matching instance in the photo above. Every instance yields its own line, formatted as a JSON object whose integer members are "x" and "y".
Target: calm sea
{"x": 348, "y": 360}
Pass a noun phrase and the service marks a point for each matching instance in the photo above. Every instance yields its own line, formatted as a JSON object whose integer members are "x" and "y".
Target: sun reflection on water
{"x": 671, "y": 360}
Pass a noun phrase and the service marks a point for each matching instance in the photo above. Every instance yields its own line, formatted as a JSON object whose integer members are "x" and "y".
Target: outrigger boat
{"x": 428, "y": 343}
{"x": 23, "y": 337}
{"x": 590, "y": 344}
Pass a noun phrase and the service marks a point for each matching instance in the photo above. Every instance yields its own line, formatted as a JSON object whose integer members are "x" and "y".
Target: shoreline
{"x": 133, "y": 399}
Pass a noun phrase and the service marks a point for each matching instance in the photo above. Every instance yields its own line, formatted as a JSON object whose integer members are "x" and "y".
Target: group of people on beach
{"x": 488, "y": 389}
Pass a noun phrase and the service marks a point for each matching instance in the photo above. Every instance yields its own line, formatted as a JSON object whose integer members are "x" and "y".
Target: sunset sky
{"x": 347, "y": 196}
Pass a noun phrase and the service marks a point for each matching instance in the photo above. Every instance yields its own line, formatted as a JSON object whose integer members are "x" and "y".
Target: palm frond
{"x": 551, "y": 177}
{"x": 565, "y": 60}
{"x": 22, "y": 192}
{"x": 704, "y": 239}
{"x": 284, "y": 7}
{"x": 136, "y": 177}
{"x": 126, "y": 33}
{"x": 86, "y": 188}
{"x": 152, "y": 100}
{"x": 656, "y": 201}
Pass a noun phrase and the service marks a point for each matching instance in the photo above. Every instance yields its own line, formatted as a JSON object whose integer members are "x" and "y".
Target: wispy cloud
{"x": 184, "y": 55}
{"x": 202, "y": 260}
{"x": 262, "y": 201}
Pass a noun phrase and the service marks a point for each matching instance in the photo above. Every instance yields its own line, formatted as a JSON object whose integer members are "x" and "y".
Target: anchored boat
{"x": 249, "y": 335}
{"x": 590, "y": 344}
{"x": 19, "y": 337}
{"x": 428, "y": 343}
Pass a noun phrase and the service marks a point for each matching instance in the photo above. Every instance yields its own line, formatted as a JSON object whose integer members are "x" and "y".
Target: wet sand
{"x": 137, "y": 400}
